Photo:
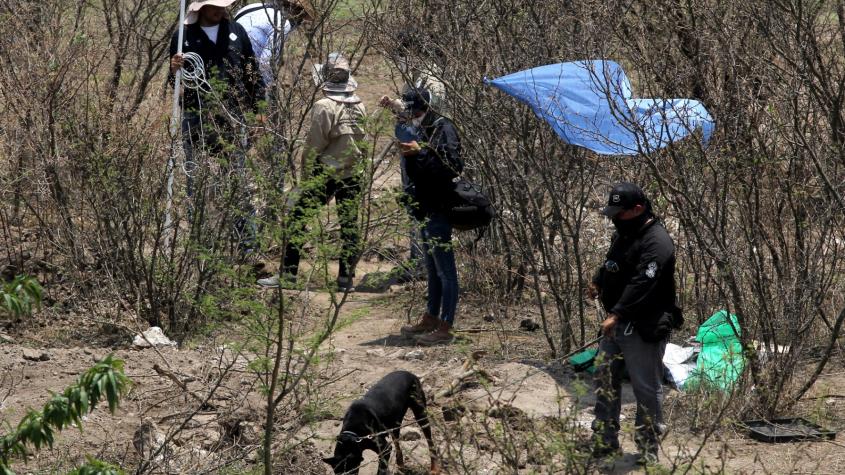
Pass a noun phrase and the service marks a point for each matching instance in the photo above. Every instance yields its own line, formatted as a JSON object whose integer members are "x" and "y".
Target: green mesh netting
{"x": 720, "y": 362}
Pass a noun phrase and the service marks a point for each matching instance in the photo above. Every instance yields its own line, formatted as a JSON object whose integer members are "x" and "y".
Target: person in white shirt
{"x": 212, "y": 122}
{"x": 262, "y": 22}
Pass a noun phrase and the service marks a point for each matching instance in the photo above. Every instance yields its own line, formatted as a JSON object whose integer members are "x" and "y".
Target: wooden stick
{"x": 170, "y": 375}
{"x": 469, "y": 369}
{"x": 455, "y": 384}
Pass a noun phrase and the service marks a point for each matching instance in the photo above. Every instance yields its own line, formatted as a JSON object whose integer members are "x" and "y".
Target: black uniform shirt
{"x": 637, "y": 280}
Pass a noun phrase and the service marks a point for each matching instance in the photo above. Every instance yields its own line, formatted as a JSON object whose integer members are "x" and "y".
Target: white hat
{"x": 193, "y": 13}
{"x": 334, "y": 77}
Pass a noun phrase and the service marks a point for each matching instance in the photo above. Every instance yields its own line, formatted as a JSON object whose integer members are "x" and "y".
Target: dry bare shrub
{"x": 754, "y": 215}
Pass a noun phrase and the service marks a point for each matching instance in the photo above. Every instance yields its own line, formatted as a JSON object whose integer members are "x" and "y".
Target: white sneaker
{"x": 270, "y": 282}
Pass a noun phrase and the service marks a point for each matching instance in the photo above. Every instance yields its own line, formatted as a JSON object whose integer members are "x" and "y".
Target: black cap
{"x": 417, "y": 100}
{"x": 623, "y": 196}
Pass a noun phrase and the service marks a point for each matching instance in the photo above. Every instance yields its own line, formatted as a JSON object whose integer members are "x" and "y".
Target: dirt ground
{"x": 364, "y": 352}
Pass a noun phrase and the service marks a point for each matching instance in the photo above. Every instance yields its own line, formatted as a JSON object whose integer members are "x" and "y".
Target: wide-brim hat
{"x": 193, "y": 13}
{"x": 345, "y": 97}
{"x": 334, "y": 77}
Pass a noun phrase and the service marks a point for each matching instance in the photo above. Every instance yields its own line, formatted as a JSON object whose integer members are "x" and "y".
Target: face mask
{"x": 628, "y": 227}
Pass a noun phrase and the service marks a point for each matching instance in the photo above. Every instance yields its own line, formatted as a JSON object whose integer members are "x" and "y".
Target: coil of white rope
{"x": 193, "y": 72}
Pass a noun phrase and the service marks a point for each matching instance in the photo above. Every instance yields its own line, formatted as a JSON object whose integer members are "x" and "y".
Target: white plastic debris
{"x": 152, "y": 337}
{"x": 764, "y": 353}
{"x": 680, "y": 362}
{"x": 414, "y": 355}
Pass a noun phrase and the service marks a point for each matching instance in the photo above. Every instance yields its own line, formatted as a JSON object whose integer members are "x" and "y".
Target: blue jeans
{"x": 440, "y": 264}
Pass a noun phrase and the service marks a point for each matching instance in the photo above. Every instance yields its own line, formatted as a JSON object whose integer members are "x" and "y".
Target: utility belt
{"x": 657, "y": 330}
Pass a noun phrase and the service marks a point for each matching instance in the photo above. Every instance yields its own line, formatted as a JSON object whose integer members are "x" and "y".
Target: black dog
{"x": 380, "y": 412}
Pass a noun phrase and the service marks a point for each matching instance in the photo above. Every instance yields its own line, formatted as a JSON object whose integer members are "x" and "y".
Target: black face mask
{"x": 628, "y": 227}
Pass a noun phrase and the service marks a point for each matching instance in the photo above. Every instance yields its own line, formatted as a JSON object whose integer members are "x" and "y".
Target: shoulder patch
{"x": 651, "y": 270}
{"x": 233, "y": 36}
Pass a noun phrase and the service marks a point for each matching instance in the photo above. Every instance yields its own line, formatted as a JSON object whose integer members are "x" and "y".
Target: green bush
{"x": 104, "y": 381}
{"x": 19, "y": 296}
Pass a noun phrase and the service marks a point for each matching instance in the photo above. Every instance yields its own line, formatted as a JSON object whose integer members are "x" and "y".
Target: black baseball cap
{"x": 417, "y": 99}
{"x": 623, "y": 196}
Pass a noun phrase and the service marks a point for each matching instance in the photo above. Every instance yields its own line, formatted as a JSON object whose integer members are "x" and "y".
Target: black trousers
{"x": 317, "y": 192}
{"x": 217, "y": 138}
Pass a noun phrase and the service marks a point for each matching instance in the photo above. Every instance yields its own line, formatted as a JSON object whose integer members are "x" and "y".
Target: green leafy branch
{"x": 105, "y": 380}
{"x": 19, "y": 296}
{"x": 97, "y": 467}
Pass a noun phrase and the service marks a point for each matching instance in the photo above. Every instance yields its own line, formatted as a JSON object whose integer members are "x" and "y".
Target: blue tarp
{"x": 590, "y": 104}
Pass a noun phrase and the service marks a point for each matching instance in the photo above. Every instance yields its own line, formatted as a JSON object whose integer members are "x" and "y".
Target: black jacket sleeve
{"x": 598, "y": 277}
{"x": 640, "y": 292}
{"x": 441, "y": 157}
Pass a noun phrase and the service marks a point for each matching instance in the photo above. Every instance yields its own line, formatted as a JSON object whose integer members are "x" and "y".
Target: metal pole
{"x": 175, "y": 123}
{"x": 581, "y": 348}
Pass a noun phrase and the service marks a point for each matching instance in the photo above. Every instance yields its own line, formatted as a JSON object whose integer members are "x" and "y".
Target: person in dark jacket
{"x": 636, "y": 285}
{"x": 431, "y": 167}
{"x": 227, "y": 56}
{"x": 213, "y": 120}
{"x": 419, "y": 65}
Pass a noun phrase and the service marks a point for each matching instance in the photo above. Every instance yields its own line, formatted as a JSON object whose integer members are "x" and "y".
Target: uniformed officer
{"x": 636, "y": 285}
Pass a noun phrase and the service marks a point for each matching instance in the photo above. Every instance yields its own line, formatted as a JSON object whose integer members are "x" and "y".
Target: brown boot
{"x": 426, "y": 324}
{"x": 441, "y": 335}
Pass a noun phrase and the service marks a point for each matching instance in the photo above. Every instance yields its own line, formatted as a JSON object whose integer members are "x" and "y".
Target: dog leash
{"x": 350, "y": 436}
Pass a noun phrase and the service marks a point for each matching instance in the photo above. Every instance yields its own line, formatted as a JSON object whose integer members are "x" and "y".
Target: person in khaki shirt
{"x": 331, "y": 164}
{"x": 335, "y": 134}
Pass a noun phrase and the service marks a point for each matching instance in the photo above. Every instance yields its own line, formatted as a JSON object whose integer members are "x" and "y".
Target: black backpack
{"x": 472, "y": 208}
